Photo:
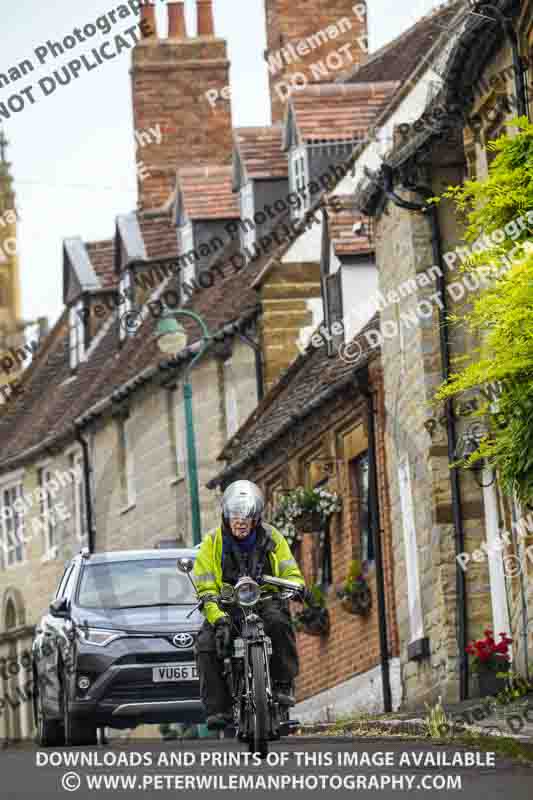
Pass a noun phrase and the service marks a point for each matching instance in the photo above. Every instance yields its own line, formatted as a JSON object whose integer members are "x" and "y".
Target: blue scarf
{"x": 246, "y": 545}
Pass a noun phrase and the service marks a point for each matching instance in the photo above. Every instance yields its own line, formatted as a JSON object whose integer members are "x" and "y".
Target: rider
{"x": 243, "y": 545}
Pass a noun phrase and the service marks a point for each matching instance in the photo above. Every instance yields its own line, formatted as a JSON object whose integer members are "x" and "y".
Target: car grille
{"x": 175, "y": 657}
{"x": 146, "y": 692}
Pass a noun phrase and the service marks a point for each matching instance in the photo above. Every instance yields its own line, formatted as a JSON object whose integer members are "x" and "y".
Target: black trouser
{"x": 283, "y": 663}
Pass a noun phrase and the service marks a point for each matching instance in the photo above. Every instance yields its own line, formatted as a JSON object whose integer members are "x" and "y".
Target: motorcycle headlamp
{"x": 247, "y": 592}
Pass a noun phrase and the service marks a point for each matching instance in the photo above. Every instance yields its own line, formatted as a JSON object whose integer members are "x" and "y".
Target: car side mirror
{"x": 60, "y": 608}
{"x": 185, "y": 565}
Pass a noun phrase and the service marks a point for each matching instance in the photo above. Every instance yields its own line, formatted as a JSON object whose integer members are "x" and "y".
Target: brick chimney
{"x": 179, "y": 87}
{"x": 206, "y": 25}
{"x": 306, "y": 37}
{"x": 176, "y": 20}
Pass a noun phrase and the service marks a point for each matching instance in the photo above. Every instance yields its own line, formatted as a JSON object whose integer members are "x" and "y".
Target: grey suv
{"x": 116, "y": 647}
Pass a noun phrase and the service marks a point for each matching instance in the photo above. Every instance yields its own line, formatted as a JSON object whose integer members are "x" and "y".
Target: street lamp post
{"x": 172, "y": 339}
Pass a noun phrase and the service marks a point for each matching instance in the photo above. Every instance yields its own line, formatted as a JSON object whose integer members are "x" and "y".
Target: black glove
{"x": 223, "y": 637}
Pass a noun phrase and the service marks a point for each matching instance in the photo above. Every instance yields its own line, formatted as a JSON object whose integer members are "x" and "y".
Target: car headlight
{"x": 247, "y": 592}
{"x": 99, "y": 636}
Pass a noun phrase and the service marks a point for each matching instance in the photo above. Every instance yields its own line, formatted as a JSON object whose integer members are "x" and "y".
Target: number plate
{"x": 173, "y": 673}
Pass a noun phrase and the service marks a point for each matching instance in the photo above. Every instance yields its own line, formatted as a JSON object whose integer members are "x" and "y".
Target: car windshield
{"x": 134, "y": 584}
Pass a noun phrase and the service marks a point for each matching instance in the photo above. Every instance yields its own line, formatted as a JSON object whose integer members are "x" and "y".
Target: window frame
{"x": 299, "y": 178}
{"x": 18, "y": 528}
{"x": 366, "y": 554}
{"x": 79, "y": 500}
{"x": 125, "y": 289}
{"x": 127, "y": 464}
{"x": 77, "y": 334}
{"x": 247, "y": 203}
{"x": 47, "y": 513}
{"x": 231, "y": 406}
{"x": 177, "y": 434}
{"x": 187, "y": 246}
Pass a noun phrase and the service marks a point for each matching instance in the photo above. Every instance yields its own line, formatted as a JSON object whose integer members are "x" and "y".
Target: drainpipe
{"x": 88, "y": 494}
{"x": 444, "y": 327}
{"x": 363, "y": 385}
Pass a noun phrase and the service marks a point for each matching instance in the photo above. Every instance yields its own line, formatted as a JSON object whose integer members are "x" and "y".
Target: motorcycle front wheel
{"x": 259, "y": 730}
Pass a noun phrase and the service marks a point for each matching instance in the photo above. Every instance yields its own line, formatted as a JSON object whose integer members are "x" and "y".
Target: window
{"x": 247, "y": 216}
{"x": 12, "y": 526}
{"x": 187, "y": 246}
{"x": 365, "y": 534}
{"x": 127, "y": 465}
{"x": 176, "y": 427}
{"x": 48, "y": 520}
{"x": 126, "y": 292}
{"x": 79, "y": 498}
{"x": 77, "y": 334}
{"x": 298, "y": 178}
{"x": 230, "y": 399}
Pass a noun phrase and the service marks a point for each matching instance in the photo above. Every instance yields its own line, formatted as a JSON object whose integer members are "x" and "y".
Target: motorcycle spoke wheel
{"x": 260, "y": 711}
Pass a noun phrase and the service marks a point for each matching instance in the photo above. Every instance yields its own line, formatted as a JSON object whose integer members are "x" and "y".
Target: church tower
{"x": 312, "y": 41}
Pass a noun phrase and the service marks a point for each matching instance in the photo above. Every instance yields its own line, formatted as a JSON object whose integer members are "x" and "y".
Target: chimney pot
{"x": 149, "y": 29}
{"x": 206, "y": 25}
{"x": 177, "y": 28}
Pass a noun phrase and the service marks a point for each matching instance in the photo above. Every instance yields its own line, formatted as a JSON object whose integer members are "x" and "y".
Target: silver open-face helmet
{"x": 242, "y": 500}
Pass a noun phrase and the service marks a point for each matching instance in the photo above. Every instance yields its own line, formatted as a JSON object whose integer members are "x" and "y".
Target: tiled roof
{"x": 260, "y": 151}
{"x": 207, "y": 193}
{"x": 101, "y": 257}
{"x": 342, "y": 217}
{"x": 396, "y": 60}
{"x": 337, "y": 111}
{"x": 53, "y": 398}
{"x": 159, "y": 235}
{"x": 311, "y": 379}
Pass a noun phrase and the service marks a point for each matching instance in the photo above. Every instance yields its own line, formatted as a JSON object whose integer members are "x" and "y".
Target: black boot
{"x": 217, "y": 722}
{"x": 283, "y": 694}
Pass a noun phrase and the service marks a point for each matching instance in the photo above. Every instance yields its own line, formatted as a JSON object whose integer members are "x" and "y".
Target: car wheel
{"x": 77, "y": 731}
{"x": 50, "y": 732}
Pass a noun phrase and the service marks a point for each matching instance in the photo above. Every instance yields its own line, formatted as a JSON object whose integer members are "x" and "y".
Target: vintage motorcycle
{"x": 258, "y": 717}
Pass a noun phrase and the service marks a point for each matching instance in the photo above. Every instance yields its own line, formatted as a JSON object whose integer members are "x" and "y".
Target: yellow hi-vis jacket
{"x": 207, "y": 573}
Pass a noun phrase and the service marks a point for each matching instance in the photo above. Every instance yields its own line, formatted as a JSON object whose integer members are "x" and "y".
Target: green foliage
{"x": 354, "y": 577}
{"x": 502, "y": 315}
{"x": 319, "y": 597}
{"x": 517, "y": 687}
{"x": 436, "y": 723}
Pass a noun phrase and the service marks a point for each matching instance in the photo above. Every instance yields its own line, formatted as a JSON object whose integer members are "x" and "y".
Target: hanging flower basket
{"x": 355, "y": 596}
{"x": 305, "y": 511}
{"x": 358, "y": 601}
{"x": 314, "y": 620}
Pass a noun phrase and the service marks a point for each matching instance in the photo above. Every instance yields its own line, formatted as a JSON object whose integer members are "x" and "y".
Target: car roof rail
{"x": 85, "y": 553}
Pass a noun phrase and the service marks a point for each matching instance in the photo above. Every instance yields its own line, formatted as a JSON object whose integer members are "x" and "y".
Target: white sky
{"x": 73, "y": 153}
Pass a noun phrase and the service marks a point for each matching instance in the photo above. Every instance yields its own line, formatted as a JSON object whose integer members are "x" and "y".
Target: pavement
{"x": 482, "y": 716}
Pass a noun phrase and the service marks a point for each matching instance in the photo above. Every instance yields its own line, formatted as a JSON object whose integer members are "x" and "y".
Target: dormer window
{"x": 247, "y": 213}
{"x": 126, "y": 296}
{"x": 298, "y": 178}
{"x": 77, "y": 330}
